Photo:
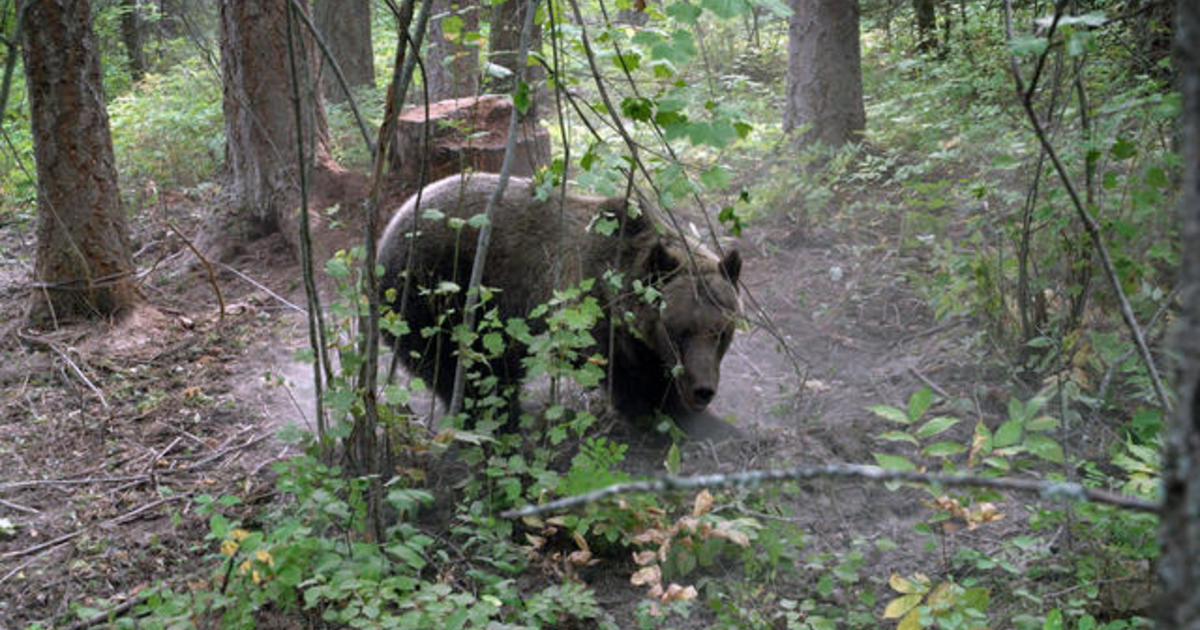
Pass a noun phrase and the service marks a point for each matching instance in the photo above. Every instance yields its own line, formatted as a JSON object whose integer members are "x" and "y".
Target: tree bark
{"x": 131, "y": 35}
{"x": 926, "y": 24}
{"x": 452, "y": 65}
{"x": 84, "y": 267}
{"x": 260, "y": 120}
{"x": 1179, "y": 572}
{"x": 824, "y": 81}
{"x": 503, "y": 42}
{"x": 345, "y": 26}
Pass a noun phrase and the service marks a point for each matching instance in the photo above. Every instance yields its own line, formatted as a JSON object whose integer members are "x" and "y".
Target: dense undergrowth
{"x": 952, "y": 177}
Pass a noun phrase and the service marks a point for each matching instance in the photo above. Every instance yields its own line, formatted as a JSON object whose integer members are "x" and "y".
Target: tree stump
{"x": 465, "y": 134}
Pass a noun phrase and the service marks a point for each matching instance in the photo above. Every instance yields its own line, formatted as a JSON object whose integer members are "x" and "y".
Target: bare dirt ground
{"x": 111, "y": 435}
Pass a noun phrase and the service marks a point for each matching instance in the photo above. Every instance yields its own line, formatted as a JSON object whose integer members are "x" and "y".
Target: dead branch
{"x": 116, "y": 520}
{"x": 666, "y": 483}
{"x": 212, "y": 275}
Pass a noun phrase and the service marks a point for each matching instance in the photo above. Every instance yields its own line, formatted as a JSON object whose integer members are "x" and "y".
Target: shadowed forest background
{"x": 970, "y": 322}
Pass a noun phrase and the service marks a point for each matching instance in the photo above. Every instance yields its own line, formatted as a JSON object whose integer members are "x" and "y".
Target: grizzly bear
{"x": 664, "y": 352}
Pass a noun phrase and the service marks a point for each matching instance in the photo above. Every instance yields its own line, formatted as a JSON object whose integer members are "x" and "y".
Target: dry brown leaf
{"x": 676, "y": 592}
{"x": 703, "y": 503}
{"x": 647, "y": 576}
{"x": 642, "y": 558}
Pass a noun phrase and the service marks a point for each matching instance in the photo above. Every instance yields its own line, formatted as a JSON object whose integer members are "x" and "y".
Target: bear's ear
{"x": 731, "y": 266}
{"x": 660, "y": 262}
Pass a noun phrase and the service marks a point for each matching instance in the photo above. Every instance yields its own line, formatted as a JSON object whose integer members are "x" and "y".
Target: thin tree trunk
{"x": 260, "y": 127}
{"x": 84, "y": 267}
{"x": 926, "y": 13}
{"x": 504, "y": 41}
{"x": 131, "y": 35}
{"x": 824, "y": 81}
{"x": 1178, "y": 606}
{"x": 452, "y": 66}
{"x": 346, "y": 27}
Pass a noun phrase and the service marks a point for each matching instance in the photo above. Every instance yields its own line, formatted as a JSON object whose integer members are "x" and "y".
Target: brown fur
{"x": 536, "y": 248}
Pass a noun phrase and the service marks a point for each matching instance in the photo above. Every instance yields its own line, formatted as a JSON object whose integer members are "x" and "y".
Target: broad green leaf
{"x": 888, "y": 412}
{"x": 1042, "y": 423}
{"x": 901, "y": 605}
{"x": 897, "y": 436}
{"x": 1045, "y": 448}
{"x": 1008, "y": 434}
{"x": 521, "y": 98}
{"x": 684, "y": 12}
{"x": 893, "y": 462}
{"x": 1122, "y": 149}
{"x": 919, "y": 403}
{"x": 725, "y": 9}
{"x": 903, "y": 585}
{"x": 936, "y": 426}
{"x": 639, "y": 109}
{"x": 716, "y": 178}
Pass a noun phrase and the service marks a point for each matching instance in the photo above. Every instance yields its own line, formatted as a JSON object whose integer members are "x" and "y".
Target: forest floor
{"x": 113, "y": 434}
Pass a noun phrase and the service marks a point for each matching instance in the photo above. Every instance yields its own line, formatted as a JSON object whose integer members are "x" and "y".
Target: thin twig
{"x": 18, "y": 507}
{"x": 264, "y": 289}
{"x": 1089, "y": 222}
{"x": 934, "y": 386}
{"x": 212, "y": 275}
{"x": 74, "y": 368}
{"x": 1048, "y": 489}
{"x": 116, "y": 520}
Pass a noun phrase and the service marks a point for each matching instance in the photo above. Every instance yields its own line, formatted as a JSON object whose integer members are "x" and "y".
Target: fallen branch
{"x": 116, "y": 520}
{"x": 212, "y": 275}
{"x": 17, "y": 485}
{"x": 1047, "y": 489}
{"x": 258, "y": 285}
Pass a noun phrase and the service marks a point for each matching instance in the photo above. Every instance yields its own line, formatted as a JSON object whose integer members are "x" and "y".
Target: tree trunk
{"x": 345, "y": 25}
{"x": 503, "y": 43}
{"x": 1179, "y": 572}
{"x": 131, "y": 35}
{"x": 926, "y": 24}
{"x": 452, "y": 65}
{"x": 260, "y": 119}
{"x": 84, "y": 265}
{"x": 824, "y": 81}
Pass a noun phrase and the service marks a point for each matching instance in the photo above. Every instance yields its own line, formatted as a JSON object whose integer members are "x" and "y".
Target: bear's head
{"x": 696, "y": 319}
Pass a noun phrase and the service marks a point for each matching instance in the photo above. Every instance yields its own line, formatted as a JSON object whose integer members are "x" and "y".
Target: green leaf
{"x": 521, "y": 98}
{"x": 684, "y": 12}
{"x": 918, "y": 403}
{"x": 1122, "y": 149}
{"x": 943, "y": 449}
{"x": 674, "y": 459}
{"x": 1026, "y": 45}
{"x": 1042, "y": 423}
{"x": 897, "y": 436}
{"x": 825, "y": 585}
{"x": 888, "y": 412}
{"x": 893, "y": 462}
{"x": 716, "y": 178}
{"x": 725, "y": 9}
{"x": 936, "y": 426}
{"x": 1044, "y": 448}
{"x": 639, "y": 109}
{"x": 1008, "y": 434}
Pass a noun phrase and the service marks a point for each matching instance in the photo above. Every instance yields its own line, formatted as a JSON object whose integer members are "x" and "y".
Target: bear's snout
{"x": 703, "y": 395}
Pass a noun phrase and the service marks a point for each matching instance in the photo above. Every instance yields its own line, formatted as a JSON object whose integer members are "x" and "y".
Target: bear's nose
{"x": 703, "y": 395}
